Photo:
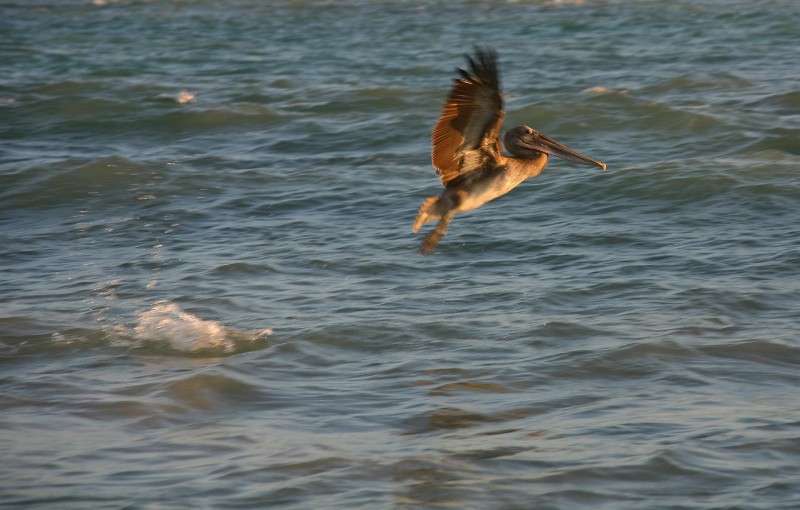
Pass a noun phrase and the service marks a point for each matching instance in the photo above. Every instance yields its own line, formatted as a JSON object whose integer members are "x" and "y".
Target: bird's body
{"x": 467, "y": 150}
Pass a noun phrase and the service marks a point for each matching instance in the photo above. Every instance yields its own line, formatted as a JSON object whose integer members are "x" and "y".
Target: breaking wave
{"x": 169, "y": 325}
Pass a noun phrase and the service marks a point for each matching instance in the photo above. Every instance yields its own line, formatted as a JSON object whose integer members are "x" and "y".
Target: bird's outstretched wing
{"x": 466, "y": 137}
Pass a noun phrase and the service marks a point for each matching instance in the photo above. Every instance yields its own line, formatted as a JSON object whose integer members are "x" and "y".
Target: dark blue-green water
{"x": 211, "y": 297}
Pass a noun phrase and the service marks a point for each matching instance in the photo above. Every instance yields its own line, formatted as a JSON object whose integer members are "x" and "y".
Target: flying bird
{"x": 467, "y": 150}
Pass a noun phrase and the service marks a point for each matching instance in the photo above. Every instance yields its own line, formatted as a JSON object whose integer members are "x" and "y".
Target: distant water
{"x": 211, "y": 295}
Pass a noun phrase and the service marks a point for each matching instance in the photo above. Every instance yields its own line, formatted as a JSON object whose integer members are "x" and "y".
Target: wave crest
{"x": 168, "y": 324}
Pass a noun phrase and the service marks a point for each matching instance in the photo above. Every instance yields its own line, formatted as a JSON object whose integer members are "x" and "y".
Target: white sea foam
{"x": 167, "y": 323}
{"x": 599, "y": 89}
{"x": 182, "y": 97}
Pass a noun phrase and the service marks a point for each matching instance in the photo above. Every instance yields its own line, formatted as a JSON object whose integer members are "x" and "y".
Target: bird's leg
{"x": 426, "y": 213}
{"x": 438, "y": 233}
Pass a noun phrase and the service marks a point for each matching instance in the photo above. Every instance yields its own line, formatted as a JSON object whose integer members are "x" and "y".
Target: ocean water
{"x": 211, "y": 297}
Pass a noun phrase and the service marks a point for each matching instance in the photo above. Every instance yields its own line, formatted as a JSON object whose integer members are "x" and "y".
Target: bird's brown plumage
{"x": 466, "y": 149}
{"x": 466, "y": 137}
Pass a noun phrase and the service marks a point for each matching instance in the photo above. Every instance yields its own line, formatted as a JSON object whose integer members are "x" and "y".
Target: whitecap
{"x": 182, "y": 97}
{"x": 168, "y": 324}
{"x": 599, "y": 89}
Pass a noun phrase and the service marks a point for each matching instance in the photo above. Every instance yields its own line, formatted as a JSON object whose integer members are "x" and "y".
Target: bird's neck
{"x": 525, "y": 168}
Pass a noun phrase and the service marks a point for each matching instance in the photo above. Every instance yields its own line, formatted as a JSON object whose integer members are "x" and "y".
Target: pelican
{"x": 467, "y": 150}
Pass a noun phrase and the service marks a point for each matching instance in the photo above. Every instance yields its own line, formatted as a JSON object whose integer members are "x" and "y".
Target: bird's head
{"x": 526, "y": 142}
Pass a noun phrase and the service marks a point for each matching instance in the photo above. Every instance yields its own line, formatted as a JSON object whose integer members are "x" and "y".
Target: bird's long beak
{"x": 543, "y": 143}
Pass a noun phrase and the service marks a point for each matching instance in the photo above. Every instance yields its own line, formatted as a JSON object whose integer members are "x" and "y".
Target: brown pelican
{"x": 466, "y": 149}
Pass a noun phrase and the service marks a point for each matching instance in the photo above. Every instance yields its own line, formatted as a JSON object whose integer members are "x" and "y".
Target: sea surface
{"x": 211, "y": 297}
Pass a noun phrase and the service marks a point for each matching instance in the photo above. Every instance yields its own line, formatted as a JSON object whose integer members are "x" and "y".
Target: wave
{"x": 161, "y": 329}
{"x": 165, "y": 324}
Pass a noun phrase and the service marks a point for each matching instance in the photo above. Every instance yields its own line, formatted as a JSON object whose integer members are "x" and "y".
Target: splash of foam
{"x": 601, "y": 90}
{"x": 182, "y": 97}
{"x": 167, "y": 323}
